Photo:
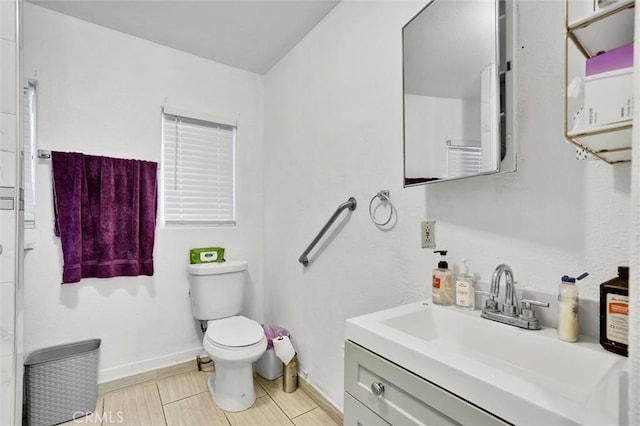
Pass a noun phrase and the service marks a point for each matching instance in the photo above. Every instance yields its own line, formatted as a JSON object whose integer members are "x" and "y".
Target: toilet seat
{"x": 233, "y": 343}
{"x": 235, "y": 332}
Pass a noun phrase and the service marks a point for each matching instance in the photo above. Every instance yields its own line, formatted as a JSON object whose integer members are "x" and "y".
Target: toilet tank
{"x": 216, "y": 289}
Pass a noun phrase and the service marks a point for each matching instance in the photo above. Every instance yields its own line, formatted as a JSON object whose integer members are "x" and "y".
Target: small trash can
{"x": 61, "y": 382}
{"x": 269, "y": 366}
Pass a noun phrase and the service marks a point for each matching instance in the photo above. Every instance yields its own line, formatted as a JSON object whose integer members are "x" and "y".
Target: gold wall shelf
{"x": 598, "y": 32}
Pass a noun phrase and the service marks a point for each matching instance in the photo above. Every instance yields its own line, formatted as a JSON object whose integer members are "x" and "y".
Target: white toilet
{"x": 232, "y": 341}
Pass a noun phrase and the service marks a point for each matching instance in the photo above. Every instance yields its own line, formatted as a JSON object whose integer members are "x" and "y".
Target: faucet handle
{"x": 528, "y": 313}
{"x": 491, "y": 304}
{"x": 527, "y": 303}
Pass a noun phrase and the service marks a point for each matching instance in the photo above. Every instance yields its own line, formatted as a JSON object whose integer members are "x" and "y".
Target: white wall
{"x": 100, "y": 92}
{"x": 333, "y": 128}
{"x": 426, "y": 144}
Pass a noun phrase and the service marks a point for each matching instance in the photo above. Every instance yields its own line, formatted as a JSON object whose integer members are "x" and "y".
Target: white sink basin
{"x": 522, "y": 376}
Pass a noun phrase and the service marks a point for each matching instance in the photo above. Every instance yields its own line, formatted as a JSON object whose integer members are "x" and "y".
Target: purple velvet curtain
{"x": 105, "y": 215}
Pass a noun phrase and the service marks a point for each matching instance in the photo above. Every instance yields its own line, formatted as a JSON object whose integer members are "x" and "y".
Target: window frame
{"x": 207, "y": 119}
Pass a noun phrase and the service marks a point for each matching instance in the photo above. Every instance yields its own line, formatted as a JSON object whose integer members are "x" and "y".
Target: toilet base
{"x": 232, "y": 387}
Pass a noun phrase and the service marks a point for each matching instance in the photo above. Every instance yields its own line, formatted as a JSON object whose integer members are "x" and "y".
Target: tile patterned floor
{"x": 184, "y": 399}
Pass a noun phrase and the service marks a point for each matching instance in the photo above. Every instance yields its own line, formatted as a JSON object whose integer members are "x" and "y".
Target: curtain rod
{"x": 45, "y": 154}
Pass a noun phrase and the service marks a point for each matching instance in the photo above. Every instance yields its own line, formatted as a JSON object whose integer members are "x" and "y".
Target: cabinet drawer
{"x": 406, "y": 398}
{"x": 356, "y": 414}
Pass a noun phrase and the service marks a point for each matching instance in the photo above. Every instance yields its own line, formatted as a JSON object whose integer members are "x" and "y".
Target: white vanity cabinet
{"x": 378, "y": 392}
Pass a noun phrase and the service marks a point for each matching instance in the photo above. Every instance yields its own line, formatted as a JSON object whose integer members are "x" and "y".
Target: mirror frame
{"x": 505, "y": 32}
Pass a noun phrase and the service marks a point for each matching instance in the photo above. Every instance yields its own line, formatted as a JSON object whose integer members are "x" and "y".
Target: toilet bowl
{"x": 233, "y": 343}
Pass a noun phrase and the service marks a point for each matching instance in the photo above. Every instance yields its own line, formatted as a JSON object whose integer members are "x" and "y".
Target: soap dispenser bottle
{"x": 442, "y": 282}
{"x": 465, "y": 289}
{"x": 568, "y": 324}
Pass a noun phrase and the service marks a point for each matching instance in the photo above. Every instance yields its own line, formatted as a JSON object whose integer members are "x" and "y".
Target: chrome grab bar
{"x": 349, "y": 204}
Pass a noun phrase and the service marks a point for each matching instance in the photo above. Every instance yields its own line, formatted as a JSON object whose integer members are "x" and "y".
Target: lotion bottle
{"x": 442, "y": 287}
{"x": 568, "y": 323}
{"x": 465, "y": 289}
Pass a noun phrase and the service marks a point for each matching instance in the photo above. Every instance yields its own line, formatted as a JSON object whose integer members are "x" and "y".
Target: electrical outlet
{"x": 428, "y": 234}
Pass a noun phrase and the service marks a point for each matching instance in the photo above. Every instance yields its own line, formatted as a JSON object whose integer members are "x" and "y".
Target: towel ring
{"x": 383, "y": 195}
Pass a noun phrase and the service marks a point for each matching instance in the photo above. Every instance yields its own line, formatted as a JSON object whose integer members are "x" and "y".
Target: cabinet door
{"x": 356, "y": 414}
{"x": 407, "y": 399}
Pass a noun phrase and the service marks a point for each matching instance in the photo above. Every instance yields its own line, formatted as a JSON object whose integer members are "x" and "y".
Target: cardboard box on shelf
{"x": 608, "y": 89}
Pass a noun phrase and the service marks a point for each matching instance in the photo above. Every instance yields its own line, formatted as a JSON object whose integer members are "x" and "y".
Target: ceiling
{"x": 246, "y": 34}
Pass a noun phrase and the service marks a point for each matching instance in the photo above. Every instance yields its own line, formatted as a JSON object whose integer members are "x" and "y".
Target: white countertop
{"x": 526, "y": 377}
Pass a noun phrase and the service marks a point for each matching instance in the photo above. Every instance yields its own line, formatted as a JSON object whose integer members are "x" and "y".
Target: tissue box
{"x": 206, "y": 255}
{"x": 608, "y": 88}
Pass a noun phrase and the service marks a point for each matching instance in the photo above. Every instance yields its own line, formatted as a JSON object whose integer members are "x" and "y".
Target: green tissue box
{"x": 207, "y": 255}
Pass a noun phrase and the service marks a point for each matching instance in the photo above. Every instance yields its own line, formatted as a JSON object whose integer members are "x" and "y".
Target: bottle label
{"x": 436, "y": 282}
{"x": 568, "y": 322}
{"x": 618, "y": 318}
{"x": 448, "y": 289}
{"x": 463, "y": 293}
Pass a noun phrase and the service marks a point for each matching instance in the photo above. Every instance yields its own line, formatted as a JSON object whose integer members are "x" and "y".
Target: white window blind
{"x": 463, "y": 160}
{"x": 198, "y": 171}
{"x": 29, "y": 143}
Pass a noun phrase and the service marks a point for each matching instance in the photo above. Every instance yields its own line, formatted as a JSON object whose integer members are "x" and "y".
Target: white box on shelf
{"x": 608, "y": 97}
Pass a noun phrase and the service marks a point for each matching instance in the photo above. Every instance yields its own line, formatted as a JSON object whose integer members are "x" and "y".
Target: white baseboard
{"x": 322, "y": 400}
{"x": 126, "y": 370}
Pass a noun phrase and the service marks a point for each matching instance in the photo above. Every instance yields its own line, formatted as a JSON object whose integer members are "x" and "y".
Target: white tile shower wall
{"x": 333, "y": 114}
{"x": 7, "y": 178}
{"x": 8, "y": 169}
{"x": 8, "y": 20}
{"x": 100, "y": 92}
{"x": 7, "y": 76}
{"x": 8, "y": 242}
{"x": 9, "y": 393}
{"x": 7, "y": 318}
{"x": 7, "y": 132}
{"x": 7, "y": 380}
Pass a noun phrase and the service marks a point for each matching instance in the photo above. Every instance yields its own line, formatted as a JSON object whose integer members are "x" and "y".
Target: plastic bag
{"x": 273, "y": 331}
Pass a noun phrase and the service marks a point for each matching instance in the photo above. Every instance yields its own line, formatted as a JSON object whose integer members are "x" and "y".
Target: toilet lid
{"x": 235, "y": 331}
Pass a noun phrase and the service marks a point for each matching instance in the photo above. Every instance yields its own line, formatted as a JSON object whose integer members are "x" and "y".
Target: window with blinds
{"x": 29, "y": 146}
{"x": 198, "y": 170}
{"x": 463, "y": 160}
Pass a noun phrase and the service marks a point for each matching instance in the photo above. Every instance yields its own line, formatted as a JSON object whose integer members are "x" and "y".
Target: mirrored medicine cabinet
{"x": 457, "y": 80}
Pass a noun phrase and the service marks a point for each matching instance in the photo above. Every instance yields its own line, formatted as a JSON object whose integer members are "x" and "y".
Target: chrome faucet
{"x": 510, "y": 312}
{"x": 510, "y": 305}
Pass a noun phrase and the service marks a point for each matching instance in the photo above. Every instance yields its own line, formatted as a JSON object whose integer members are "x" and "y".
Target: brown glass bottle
{"x": 614, "y": 313}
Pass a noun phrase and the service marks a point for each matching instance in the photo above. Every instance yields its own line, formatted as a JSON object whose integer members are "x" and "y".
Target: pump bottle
{"x": 443, "y": 292}
{"x": 568, "y": 324}
{"x": 465, "y": 289}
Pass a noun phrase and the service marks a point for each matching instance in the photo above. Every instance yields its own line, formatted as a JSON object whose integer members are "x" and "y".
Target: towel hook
{"x": 383, "y": 195}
